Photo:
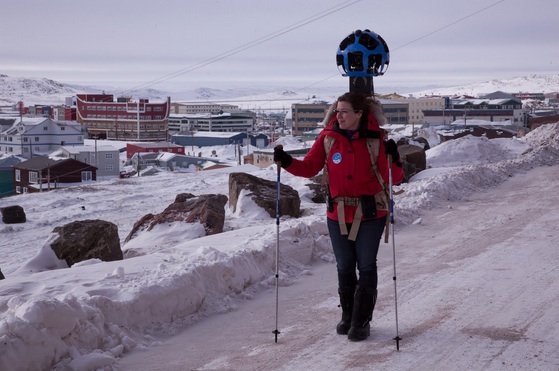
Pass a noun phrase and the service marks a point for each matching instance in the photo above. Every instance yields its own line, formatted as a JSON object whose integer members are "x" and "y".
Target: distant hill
{"x": 46, "y": 91}
{"x": 523, "y": 84}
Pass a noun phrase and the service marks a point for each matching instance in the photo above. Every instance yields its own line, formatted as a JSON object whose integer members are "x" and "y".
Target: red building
{"x": 133, "y": 148}
{"x": 123, "y": 119}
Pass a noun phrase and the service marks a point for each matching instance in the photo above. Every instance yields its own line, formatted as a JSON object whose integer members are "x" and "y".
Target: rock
{"x": 87, "y": 239}
{"x": 208, "y": 210}
{"x": 263, "y": 192}
{"x": 13, "y": 214}
{"x": 319, "y": 191}
{"x": 413, "y": 158}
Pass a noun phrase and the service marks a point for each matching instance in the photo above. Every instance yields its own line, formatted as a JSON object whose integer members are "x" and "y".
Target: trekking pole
{"x": 278, "y": 164}
{"x": 397, "y": 338}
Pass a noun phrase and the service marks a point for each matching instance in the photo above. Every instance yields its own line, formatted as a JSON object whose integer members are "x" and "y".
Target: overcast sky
{"x": 185, "y": 44}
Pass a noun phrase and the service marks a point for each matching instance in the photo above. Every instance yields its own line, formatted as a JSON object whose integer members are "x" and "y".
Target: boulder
{"x": 208, "y": 210}
{"x": 87, "y": 239}
{"x": 413, "y": 158}
{"x": 264, "y": 192}
{"x": 319, "y": 190}
{"x": 13, "y": 214}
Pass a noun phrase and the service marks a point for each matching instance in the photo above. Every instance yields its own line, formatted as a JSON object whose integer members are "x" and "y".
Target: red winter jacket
{"x": 350, "y": 175}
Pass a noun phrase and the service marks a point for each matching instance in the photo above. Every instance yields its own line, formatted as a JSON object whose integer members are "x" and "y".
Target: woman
{"x": 356, "y": 200}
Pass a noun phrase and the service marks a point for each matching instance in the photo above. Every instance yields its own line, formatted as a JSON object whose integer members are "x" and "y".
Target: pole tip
{"x": 397, "y": 338}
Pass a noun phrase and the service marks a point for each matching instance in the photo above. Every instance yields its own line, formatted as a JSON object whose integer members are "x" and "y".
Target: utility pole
{"x": 138, "y": 119}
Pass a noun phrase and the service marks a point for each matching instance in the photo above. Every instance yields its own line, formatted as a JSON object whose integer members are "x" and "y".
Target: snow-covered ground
{"x": 476, "y": 259}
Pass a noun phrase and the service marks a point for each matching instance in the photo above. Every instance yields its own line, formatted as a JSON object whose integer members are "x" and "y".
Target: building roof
{"x": 10, "y": 160}
{"x": 481, "y": 101}
{"x": 211, "y": 134}
{"x": 156, "y": 144}
{"x": 42, "y": 162}
{"x": 82, "y": 149}
{"x": 37, "y": 163}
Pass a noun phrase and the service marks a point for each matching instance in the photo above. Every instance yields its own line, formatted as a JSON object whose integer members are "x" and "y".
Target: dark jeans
{"x": 360, "y": 254}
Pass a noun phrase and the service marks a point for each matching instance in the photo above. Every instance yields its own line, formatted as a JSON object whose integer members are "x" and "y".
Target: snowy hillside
{"x": 526, "y": 84}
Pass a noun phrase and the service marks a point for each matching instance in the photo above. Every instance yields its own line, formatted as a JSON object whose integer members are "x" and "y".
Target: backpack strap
{"x": 328, "y": 143}
{"x": 383, "y": 197}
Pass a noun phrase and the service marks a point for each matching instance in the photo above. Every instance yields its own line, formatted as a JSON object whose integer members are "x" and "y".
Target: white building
{"x": 224, "y": 122}
{"x": 39, "y": 136}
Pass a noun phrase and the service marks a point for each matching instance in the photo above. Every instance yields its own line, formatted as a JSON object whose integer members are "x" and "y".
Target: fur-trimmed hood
{"x": 375, "y": 109}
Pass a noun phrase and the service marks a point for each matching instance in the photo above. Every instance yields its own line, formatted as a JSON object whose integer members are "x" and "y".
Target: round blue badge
{"x": 337, "y": 158}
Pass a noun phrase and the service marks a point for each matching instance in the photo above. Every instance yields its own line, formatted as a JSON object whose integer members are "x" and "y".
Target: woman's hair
{"x": 358, "y": 102}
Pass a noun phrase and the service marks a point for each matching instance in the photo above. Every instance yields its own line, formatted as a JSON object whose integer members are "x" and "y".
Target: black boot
{"x": 363, "y": 305}
{"x": 346, "y": 303}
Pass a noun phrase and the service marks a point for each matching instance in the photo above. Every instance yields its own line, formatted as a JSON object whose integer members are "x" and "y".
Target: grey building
{"x": 104, "y": 157}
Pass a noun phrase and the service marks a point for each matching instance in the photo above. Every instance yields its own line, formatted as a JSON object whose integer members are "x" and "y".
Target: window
{"x": 18, "y": 175}
{"x": 25, "y": 139}
{"x": 109, "y": 167}
{"x": 86, "y": 175}
{"x": 25, "y": 190}
{"x": 33, "y": 177}
{"x": 36, "y": 139}
{"x": 108, "y": 155}
{"x": 45, "y": 128}
{"x": 18, "y": 189}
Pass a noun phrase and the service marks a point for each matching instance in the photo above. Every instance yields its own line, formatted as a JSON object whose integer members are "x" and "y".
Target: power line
{"x": 449, "y": 25}
{"x": 290, "y": 28}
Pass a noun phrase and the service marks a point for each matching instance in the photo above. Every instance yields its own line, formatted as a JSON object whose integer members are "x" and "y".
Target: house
{"x": 123, "y": 119}
{"x": 143, "y": 160}
{"x": 104, "y": 157}
{"x": 265, "y": 157}
{"x": 175, "y": 162}
{"x": 41, "y": 173}
{"x": 6, "y": 174}
{"x": 28, "y": 137}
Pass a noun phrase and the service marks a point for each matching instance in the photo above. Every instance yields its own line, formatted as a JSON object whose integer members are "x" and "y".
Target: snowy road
{"x": 477, "y": 290}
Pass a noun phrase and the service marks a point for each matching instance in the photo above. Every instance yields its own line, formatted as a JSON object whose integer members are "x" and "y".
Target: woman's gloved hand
{"x": 391, "y": 148}
{"x": 282, "y": 157}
